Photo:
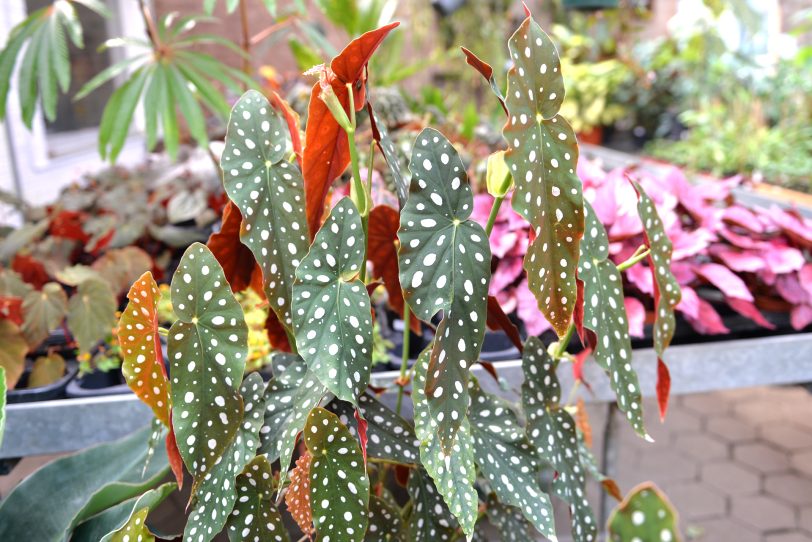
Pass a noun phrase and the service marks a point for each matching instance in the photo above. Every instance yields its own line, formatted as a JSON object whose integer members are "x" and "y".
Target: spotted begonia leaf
{"x": 542, "y": 155}
{"x": 134, "y": 526}
{"x": 339, "y": 487}
{"x": 3, "y": 392}
{"x": 389, "y": 437}
{"x": 207, "y": 351}
{"x": 430, "y": 520}
{"x": 43, "y": 311}
{"x": 667, "y": 294}
{"x": 445, "y": 264}
{"x": 645, "y": 514}
{"x": 552, "y": 431}
{"x": 390, "y": 154}
{"x": 215, "y": 494}
{"x": 269, "y": 192}
{"x": 453, "y": 473}
{"x": 288, "y": 399}
{"x": 507, "y": 459}
{"x": 604, "y": 313}
{"x": 255, "y": 517}
{"x": 143, "y": 365}
{"x": 385, "y": 523}
{"x": 509, "y": 521}
{"x": 297, "y": 495}
{"x": 332, "y": 318}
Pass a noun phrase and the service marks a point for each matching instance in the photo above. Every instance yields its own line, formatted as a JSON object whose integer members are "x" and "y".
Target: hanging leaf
{"x": 46, "y": 370}
{"x": 239, "y": 265}
{"x": 667, "y": 294}
{"x": 507, "y": 459}
{"x": 205, "y": 380}
{"x": 43, "y": 311}
{"x": 215, "y": 493}
{"x": 542, "y": 157}
{"x": 453, "y": 473}
{"x": 389, "y": 437}
{"x": 13, "y": 348}
{"x": 486, "y": 71}
{"x": 297, "y": 496}
{"x": 269, "y": 194}
{"x": 339, "y": 487}
{"x": 332, "y": 318}
{"x": 255, "y": 517}
{"x": 3, "y": 392}
{"x": 509, "y": 521}
{"x": 326, "y": 151}
{"x": 173, "y": 455}
{"x": 134, "y": 526}
{"x": 390, "y": 154}
{"x": 445, "y": 263}
{"x": 430, "y": 519}
{"x": 91, "y": 313}
{"x": 498, "y": 320}
{"x": 645, "y": 514}
{"x": 552, "y": 431}
{"x": 604, "y": 314}
{"x": 385, "y": 523}
{"x": 142, "y": 358}
{"x": 291, "y": 119}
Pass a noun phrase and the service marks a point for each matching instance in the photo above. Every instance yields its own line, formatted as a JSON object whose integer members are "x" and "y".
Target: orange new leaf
{"x": 297, "y": 497}
{"x": 239, "y": 265}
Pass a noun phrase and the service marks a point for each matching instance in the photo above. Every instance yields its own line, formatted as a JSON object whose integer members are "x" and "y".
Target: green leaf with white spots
{"x": 215, "y": 494}
{"x": 390, "y": 154}
{"x": 645, "y": 514}
{"x": 3, "y": 392}
{"x": 444, "y": 260}
{"x": 385, "y": 523}
{"x": 509, "y": 521}
{"x": 339, "y": 487}
{"x": 542, "y": 155}
{"x": 389, "y": 437}
{"x": 430, "y": 520}
{"x": 507, "y": 459}
{"x": 332, "y": 318}
{"x": 134, "y": 518}
{"x": 453, "y": 473}
{"x": 552, "y": 431}
{"x": 604, "y": 313}
{"x": 255, "y": 517}
{"x": 269, "y": 192}
{"x": 207, "y": 351}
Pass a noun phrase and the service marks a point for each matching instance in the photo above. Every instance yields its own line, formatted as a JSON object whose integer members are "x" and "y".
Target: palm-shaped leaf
{"x": 255, "y": 517}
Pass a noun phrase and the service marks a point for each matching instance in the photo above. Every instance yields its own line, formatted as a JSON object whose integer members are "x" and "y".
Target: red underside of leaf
{"x": 68, "y": 225}
{"x": 497, "y": 319}
{"x": 297, "y": 497}
{"x": 663, "y": 387}
{"x": 175, "y": 461}
{"x": 485, "y": 69}
{"x": 11, "y": 308}
{"x": 579, "y": 360}
{"x": 292, "y": 120}
{"x": 101, "y": 243}
{"x": 276, "y": 333}
{"x": 239, "y": 265}
{"x": 611, "y": 487}
{"x": 31, "y": 270}
{"x": 362, "y": 433}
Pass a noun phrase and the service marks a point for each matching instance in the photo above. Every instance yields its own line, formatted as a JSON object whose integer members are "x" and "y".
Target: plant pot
{"x": 97, "y": 383}
{"x": 590, "y": 4}
{"x": 593, "y": 136}
{"x": 495, "y": 347}
{"x": 54, "y": 390}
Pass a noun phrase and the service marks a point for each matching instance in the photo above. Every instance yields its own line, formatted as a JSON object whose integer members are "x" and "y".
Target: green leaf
{"x": 542, "y": 157}
{"x": 91, "y": 313}
{"x": 305, "y": 57}
{"x": 453, "y": 473}
{"x": 507, "y": 459}
{"x": 3, "y": 391}
{"x": 215, "y": 495}
{"x": 8, "y": 57}
{"x": 12, "y": 284}
{"x": 339, "y": 487}
{"x": 389, "y": 437}
{"x": 27, "y": 82}
{"x": 207, "y": 351}
{"x": 188, "y": 105}
{"x": 552, "y": 431}
{"x": 385, "y": 523}
{"x": 605, "y": 315}
{"x": 76, "y": 487}
{"x": 255, "y": 517}
{"x": 508, "y": 521}
{"x": 46, "y": 370}
{"x": 43, "y": 311}
{"x": 269, "y": 192}
{"x": 118, "y": 113}
{"x": 332, "y": 318}
{"x": 430, "y": 520}
{"x": 390, "y": 154}
{"x": 444, "y": 260}
{"x": 645, "y": 514}
{"x": 13, "y": 348}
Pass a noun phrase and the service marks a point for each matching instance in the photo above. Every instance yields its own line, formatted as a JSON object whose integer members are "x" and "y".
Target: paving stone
{"x": 730, "y": 478}
{"x": 787, "y": 436}
{"x": 680, "y": 421}
{"x": 764, "y": 513}
{"x": 695, "y": 501}
{"x": 761, "y": 412}
{"x": 762, "y": 458}
{"x": 791, "y": 488}
{"x": 718, "y": 530}
{"x": 803, "y": 462}
{"x": 806, "y": 519}
{"x": 702, "y": 446}
{"x": 731, "y": 429}
{"x": 795, "y": 536}
{"x": 664, "y": 466}
{"x": 706, "y": 404}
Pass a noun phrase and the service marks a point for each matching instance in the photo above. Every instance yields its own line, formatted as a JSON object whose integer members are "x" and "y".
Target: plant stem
{"x": 152, "y": 32}
{"x": 404, "y": 358}
{"x": 246, "y": 40}
{"x": 565, "y": 341}
{"x": 162, "y": 331}
{"x": 358, "y": 190}
{"x": 633, "y": 260}
{"x": 497, "y": 203}
{"x": 571, "y": 396}
{"x": 266, "y": 32}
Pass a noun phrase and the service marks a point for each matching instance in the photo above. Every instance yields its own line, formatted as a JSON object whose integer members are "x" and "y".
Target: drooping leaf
{"x": 339, "y": 487}
{"x": 269, "y": 194}
{"x": 430, "y": 519}
{"x": 215, "y": 492}
{"x": 3, "y": 391}
{"x": 385, "y": 523}
{"x": 390, "y": 154}
{"x": 542, "y": 157}
{"x": 507, "y": 459}
{"x": 142, "y": 359}
{"x": 445, "y": 263}
{"x": 126, "y": 521}
{"x": 297, "y": 496}
{"x": 498, "y": 320}
{"x": 46, "y": 370}
{"x": 332, "y": 318}
{"x": 91, "y": 313}
{"x": 292, "y": 120}
{"x": 239, "y": 265}
{"x": 43, "y": 311}
{"x": 207, "y": 351}
{"x": 454, "y": 472}
{"x": 486, "y": 71}
{"x": 604, "y": 314}
{"x": 13, "y": 348}
{"x": 255, "y": 517}
{"x": 509, "y": 521}
{"x": 645, "y": 514}
{"x": 326, "y": 151}
{"x": 173, "y": 455}
{"x": 552, "y": 431}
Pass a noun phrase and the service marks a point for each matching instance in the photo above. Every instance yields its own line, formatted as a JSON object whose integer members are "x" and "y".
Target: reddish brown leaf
{"x": 578, "y": 362}
{"x": 11, "y": 308}
{"x": 101, "y": 243}
{"x": 490, "y": 368}
{"x": 611, "y": 487}
{"x": 68, "y": 225}
{"x": 663, "y": 387}
{"x": 582, "y": 421}
{"x": 402, "y": 474}
{"x": 31, "y": 270}
{"x": 326, "y": 152}
{"x": 487, "y": 72}
{"x": 362, "y": 433}
{"x": 292, "y": 120}
{"x": 297, "y": 497}
{"x": 276, "y": 333}
{"x": 175, "y": 461}
{"x": 239, "y": 265}
{"x": 497, "y": 319}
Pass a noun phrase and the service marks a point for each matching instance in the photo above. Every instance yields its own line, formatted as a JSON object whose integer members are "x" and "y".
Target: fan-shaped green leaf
{"x": 255, "y": 517}
{"x": 605, "y": 315}
{"x": 269, "y": 192}
{"x": 207, "y": 351}
{"x": 509, "y": 521}
{"x": 444, "y": 260}
{"x": 43, "y": 311}
{"x": 13, "y": 348}
{"x": 645, "y": 514}
{"x": 339, "y": 487}
{"x": 216, "y": 492}
{"x": 430, "y": 520}
{"x": 553, "y": 432}
{"x": 332, "y": 317}
{"x": 91, "y": 313}
{"x": 385, "y": 523}
{"x": 542, "y": 157}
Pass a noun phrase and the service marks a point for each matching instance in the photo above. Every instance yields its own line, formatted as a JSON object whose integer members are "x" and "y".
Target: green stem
{"x": 358, "y": 191}
{"x": 404, "y": 358}
{"x": 163, "y": 332}
{"x": 565, "y": 341}
{"x": 497, "y": 203}
{"x": 633, "y": 260}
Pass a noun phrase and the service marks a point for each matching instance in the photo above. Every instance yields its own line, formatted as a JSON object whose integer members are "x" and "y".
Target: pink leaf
{"x": 708, "y": 322}
{"x": 528, "y": 310}
{"x": 742, "y": 217}
{"x": 748, "y": 309}
{"x": 640, "y": 276}
{"x": 506, "y": 273}
{"x": 801, "y": 316}
{"x": 688, "y": 244}
{"x": 746, "y": 261}
{"x": 690, "y": 304}
{"x": 805, "y": 278}
{"x": 725, "y": 280}
{"x": 789, "y": 287}
{"x": 636, "y": 313}
{"x": 783, "y": 259}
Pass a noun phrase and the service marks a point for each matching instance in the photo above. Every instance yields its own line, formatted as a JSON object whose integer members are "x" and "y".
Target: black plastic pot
{"x": 495, "y": 347}
{"x": 98, "y": 383}
{"x": 55, "y": 390}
